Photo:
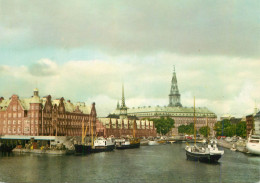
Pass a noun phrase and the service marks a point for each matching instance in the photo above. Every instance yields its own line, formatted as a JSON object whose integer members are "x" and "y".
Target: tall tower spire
{"x": 123, "y": 97}
{"x": 174, "y": 96}
{"x": 123, "y": 108}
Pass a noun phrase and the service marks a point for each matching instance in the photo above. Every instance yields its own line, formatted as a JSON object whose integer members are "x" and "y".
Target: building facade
{"x": 43, "y": 116}
{"x": 125, "y": 127}
{"x": 181, "y": 115}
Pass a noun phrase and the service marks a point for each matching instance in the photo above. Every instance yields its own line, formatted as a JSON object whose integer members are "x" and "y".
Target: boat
{"x": 253, "y": 144}
{"x": 209, "y": 153}
{"x": 128, "y": 143}
{"x": 83, "y": 148}
{"x": 153, "y": 142}
{"x": 102, "y": 144}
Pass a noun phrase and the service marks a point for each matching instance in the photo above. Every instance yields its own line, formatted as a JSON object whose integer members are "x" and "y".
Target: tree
{"x": 220, "y": 127}
{"x": 241, "y": 129}
{"x": 186, "y": 129}
{"x": 163, "y": 124}
{"x": 225, "y": 128}
{"x": 205, "y": 131}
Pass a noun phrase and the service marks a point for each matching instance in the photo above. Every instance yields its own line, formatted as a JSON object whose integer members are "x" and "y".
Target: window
{"x": 14, "y": 122}
{"x": 9, "y": 122}
{"x": 9, "y": 130}
{"x": 19, "y": 130}
{"x": 37, "y": 107}
{"x": 14, "y": 115}
{"x": 19, "y": 122}
{"x": 14, "y": 130}
{"x": 5, "y": 115}
{"x": 36, "y": 115}
{"x": 14, "y": 108}
{"x": 19, "y": 115}
{"x": 4, "y": 121}
{"x": 32, "y": 107}
{"x": 32, "y": 115}
{"x": 9, "y": 115}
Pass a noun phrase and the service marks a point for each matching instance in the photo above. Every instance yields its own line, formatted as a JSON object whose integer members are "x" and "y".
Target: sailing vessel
{"x": 209, "y": 154}
{"x": 83, "y": 148}
{"x": 128, "y": 143}
{"x": 253, "y": 144}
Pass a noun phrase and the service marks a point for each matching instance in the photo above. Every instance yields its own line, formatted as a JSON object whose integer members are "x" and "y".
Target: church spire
{"x": 123, "y": 97}
{"x": 123, "y": 108}
{"x": 174, "y": 96}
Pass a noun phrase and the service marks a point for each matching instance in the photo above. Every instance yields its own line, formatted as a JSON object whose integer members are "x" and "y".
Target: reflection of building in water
{"x": 181, "y": 115}
{"x": 121, "y": 124}
{"x": 44, "y": 116}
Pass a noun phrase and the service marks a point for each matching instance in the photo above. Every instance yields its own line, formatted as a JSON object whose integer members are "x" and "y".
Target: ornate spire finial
{"x": 173, "y": 68}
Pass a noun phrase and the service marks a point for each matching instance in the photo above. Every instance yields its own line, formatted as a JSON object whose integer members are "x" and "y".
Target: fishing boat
{"x": 253, "y": 144}
{"x": 209, "y": 153}
{"x": 102, "y": 144}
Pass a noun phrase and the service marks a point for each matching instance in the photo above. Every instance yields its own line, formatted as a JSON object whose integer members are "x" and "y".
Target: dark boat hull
{"x": 131, "y": 146}
{"x": 82, "y": 149}
{"x": 103, "y": 149}
{"x": 203, "y": 157}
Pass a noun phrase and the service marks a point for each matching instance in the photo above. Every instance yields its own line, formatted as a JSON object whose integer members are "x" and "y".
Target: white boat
{"x": 253, "y": 144}
{"x": 153, "y": 142}
{"x": 103, "y": 144}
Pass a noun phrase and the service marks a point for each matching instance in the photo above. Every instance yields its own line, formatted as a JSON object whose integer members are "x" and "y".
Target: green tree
{"x": 186, "y": 129}
{"x": 241, "y": 129}
{"x": 205, "y": 131}
{"x": 221, "y": 126}
{"x": 163, "y": 124}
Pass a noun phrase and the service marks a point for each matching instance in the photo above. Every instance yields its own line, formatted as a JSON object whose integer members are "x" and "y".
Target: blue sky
{"x": 84, "y": 50}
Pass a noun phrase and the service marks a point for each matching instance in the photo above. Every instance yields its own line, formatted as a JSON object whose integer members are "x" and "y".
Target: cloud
{"x": 44, "y": 67}
{"x": 223, "y": 85}
{"x": 138, "y": 27}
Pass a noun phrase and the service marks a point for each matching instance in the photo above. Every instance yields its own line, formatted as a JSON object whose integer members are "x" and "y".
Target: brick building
{"x": 43, "y": 116}
{"x": 124, "y": 127}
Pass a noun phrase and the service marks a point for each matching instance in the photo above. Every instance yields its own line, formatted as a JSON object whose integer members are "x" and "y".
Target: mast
{"x": 194, "y": 123}
{"x": 134, "y": 129}
{"x": 92, "y": 142}
{"x": 82, "y": 135}
{"x": 207, "y": 128}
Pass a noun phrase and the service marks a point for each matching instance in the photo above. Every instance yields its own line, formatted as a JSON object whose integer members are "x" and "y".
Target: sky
{"x": 85, "y": 50}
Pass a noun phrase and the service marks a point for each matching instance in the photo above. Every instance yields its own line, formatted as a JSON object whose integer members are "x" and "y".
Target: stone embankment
{"x": 240, "y": 145}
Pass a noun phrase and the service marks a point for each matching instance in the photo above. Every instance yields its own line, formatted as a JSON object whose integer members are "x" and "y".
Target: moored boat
{"x": 127, "y": 143}
{"x": 102, "y": 144}
{"x": 82, "y": 149}
{"x": 253, "y": 144}
{"x": 153, "y": 142}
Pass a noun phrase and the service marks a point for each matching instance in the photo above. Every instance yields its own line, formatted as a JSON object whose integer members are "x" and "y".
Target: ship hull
{"x": 82, "y": 149}
{"x": 103, "y": 148}
{"x": 208, "y": 158}
{"x": 130, "y": 146}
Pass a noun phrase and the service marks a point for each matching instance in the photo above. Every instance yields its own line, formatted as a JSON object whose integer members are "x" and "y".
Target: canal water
{"x": 163, "y": 163}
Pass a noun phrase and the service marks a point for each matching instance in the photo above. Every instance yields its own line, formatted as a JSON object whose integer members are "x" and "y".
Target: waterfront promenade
{"x": 163, "y": 163}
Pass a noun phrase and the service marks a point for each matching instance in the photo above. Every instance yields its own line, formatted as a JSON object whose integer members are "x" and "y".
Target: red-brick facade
{"x": 35, "y": 116}
{"x": 122, "y": 128}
